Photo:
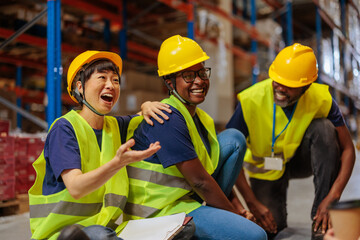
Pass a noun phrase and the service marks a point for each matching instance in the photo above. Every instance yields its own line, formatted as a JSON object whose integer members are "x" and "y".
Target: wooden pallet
{"x": 9, "y": 207}
{"x": 23, "y": 202}
{"x": 18, "y": 205}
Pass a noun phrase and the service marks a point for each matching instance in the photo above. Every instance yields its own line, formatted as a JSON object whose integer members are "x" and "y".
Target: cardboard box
{"x": 131, "y": 80}
{"x": 4, "y": 128}
{"x": 34, "y": 148}
{"x": 130, "y": 101}
{"x": 7, "y": 188}
{"x": 7, "y": 146}
{"x": 7, "y": 166}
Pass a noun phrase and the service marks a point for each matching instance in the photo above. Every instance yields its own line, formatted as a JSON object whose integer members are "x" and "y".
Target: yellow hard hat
{"x": 178, "y": 53}
{"x": 294, "y": 66}
{"x": 87, "y": 57}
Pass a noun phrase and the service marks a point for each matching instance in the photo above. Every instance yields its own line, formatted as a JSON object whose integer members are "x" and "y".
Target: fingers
{"x": 125, "y": 147}
{"x": 270, "y": 224}
{"x": 126, "y": 156}
{"x": 130, "y": 143}
{"x": 155, "y": 114}
{"x": 165, "y": 107}
{"x": 148, "y": 120}
{"x": 153, "y": 148}
{"x": 266, "y": 225}
{"x": 324, "y": 225}
{"x": 316, "y": 224}
{"x": 155, "y": 110}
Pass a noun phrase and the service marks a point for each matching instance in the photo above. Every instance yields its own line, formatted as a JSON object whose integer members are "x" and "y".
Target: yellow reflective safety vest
{"x": 157, "y": 191}
{"x": 50, "y": 213}
{"x": 257, "y": 104}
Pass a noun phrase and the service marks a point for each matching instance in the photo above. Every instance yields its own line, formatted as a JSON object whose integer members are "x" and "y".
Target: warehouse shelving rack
{"x": 148, "y": 55}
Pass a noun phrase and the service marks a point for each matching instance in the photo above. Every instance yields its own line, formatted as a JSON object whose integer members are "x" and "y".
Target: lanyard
{"x": 273, "y": 130}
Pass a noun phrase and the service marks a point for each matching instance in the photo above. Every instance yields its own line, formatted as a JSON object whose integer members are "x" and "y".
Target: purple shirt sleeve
{"x": 335, "y": 115}
{"x": 174, "y": 138}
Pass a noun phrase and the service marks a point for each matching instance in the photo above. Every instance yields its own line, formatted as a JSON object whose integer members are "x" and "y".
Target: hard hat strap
{"x": 173, "y": 90}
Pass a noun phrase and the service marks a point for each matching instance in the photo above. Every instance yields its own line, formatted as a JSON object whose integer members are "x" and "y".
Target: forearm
{"x": 244, "y": 188}
{"x": 81, "y": 184}
{"x": 235, "y": 200}
{"x": 212, "y": 194}
{"x": 347, "y": 164}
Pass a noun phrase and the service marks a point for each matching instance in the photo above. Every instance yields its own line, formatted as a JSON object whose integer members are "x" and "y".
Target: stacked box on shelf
{"x": 27, "y": 151}
{"x": 7, "y": 188}
{"x": 136, "y": 88}
{"x": 7, "y": 168}
{"x": 4, "y": 128}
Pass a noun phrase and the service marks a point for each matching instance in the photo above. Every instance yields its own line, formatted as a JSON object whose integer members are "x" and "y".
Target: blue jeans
{"x": 214, "y": 223}
{"x": 98, "y": 232}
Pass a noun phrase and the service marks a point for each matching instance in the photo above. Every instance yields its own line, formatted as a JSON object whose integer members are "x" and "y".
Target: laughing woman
{"x": 81, "y": 175}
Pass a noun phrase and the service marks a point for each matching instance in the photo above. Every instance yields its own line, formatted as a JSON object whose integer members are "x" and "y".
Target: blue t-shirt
{"x": 61, "y": 151}
{"x": 237, "y": 120}
{"x": 174, "y": 138}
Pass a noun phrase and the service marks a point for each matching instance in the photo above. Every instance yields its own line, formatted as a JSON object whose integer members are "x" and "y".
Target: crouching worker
{"x": 193, "y": 162}
{"x": 81, "y": 175}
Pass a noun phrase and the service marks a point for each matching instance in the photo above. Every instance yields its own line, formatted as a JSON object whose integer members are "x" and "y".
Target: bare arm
{"x": 347, "y": 163}
{"x": 205, "y": 185}
{"x": 80, "y": 184}
{"x": 262, "y": 214}
{"x": 154, "y": 110}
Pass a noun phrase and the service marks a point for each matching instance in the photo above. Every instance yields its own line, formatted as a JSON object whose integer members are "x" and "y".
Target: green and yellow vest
{"x": 49, "y": 214}
{"x": 155, "y": 191}
{"x": 257, "y": 106}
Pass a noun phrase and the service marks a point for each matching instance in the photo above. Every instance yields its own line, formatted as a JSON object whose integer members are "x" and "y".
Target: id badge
{"x": 273, "y": 163}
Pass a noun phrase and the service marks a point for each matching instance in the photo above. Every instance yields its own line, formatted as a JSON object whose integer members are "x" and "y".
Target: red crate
{"x": 7, "y": 146}
{"x": 7, "y": 170}
{"x": 21, "y": 145}
{"x": 30, "y": 170}
{"x": 4, "y": 128}
{"x": 21, "y": 169}
{"x": 22, "y": 184}
{"x": 7, "y": 188}
{"x": 7, "y": 159}
{"x": 35, "y": 147}
{"x": 21, "y": 160}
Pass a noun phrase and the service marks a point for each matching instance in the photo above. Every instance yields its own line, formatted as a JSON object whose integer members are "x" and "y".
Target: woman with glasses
{"x": 195, "y": 164}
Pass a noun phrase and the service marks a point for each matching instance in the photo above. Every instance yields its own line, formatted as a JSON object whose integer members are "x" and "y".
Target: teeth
{"x": 107, "y": 95}
{"x": 197, "y": 90}
{"x": 279, "y": 95}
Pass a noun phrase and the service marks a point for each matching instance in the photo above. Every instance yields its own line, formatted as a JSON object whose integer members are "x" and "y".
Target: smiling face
{"x": 193, "y": 92}
{"x": 286, "y": 96}
{"x": 102, "y": 90}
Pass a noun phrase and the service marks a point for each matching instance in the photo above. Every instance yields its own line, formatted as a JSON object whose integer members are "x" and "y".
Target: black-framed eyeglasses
{"x": 189, "y": 76}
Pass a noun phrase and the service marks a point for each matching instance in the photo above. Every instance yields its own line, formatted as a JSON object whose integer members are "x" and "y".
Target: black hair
{"x": 100, "y": 65}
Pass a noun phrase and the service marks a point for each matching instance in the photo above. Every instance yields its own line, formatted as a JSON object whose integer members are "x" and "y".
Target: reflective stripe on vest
{"x": 257, "y": 106}
{"x": 158, "y": 178}
{"x": 155, "y": 191}
{"x": 49, "y": 214}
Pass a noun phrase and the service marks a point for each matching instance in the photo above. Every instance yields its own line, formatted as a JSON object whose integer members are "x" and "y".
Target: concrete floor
{"x": 300, "y": 195}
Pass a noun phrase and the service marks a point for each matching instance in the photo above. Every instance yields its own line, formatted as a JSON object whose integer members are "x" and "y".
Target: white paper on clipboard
{"x": 158, "y": 228}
